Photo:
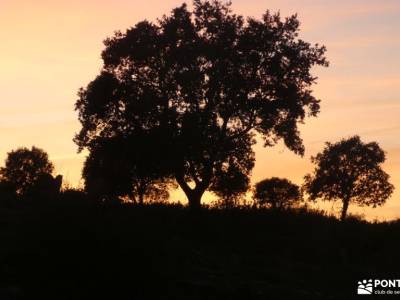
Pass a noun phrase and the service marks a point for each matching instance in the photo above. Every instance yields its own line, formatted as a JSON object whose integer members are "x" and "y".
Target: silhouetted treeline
{"x": 348, "y": 170}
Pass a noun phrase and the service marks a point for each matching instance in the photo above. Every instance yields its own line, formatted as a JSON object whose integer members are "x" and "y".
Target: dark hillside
{"x": 73, "y": 251}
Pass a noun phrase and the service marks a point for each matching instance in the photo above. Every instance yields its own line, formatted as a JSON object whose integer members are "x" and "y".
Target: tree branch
{"x": 182, "y": 183}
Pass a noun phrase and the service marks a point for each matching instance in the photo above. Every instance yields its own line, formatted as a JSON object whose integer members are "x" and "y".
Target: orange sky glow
{"x": 50, "y": 48}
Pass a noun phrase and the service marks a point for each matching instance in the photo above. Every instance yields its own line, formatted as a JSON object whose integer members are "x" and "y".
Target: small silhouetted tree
{"x": 350, "y": 171}
{"x": 46, "y": 187}
{"x": 276, "y": 193}
{"x": 24, "y": 168}
{"x": 192, "y": 89}
{"x": 110, "y": 171}
{"x": 231, "y": 184}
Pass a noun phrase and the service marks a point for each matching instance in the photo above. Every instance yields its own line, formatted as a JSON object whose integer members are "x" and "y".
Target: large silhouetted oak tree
{"x": 350, "y": 171}
{"x": 193, "y": 88}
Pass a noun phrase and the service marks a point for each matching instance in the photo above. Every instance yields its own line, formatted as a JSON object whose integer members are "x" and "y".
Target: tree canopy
{"x": 276, "y": 193}
{"x": 192, "y": 89}
{"x": 350, "y": 170}
{"x": 24, "y": 167}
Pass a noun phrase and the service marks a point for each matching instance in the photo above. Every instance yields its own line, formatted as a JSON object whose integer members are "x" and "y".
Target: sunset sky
{"x": 50, "y": 48}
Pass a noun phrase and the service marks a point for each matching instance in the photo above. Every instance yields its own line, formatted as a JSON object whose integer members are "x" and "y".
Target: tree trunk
{"x": 195, "y": 200}
{"x": 141, "y": 198}
{"x": 344, "y": 209}
{"x": 193, "y": 195}
{"x": 133, "y": 197}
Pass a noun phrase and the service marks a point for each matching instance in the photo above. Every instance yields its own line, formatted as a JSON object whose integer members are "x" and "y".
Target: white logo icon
{"x": 365, "y": 287}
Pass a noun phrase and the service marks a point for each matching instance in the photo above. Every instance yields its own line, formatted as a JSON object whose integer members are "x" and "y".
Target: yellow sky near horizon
{"x": 50, "y": 48}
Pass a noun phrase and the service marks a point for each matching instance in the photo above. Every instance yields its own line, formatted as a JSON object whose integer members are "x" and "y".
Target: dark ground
{"x": 67, "y": 250}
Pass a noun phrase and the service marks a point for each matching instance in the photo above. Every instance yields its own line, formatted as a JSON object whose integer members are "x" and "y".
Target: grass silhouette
{"x": 80, "y": 249}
